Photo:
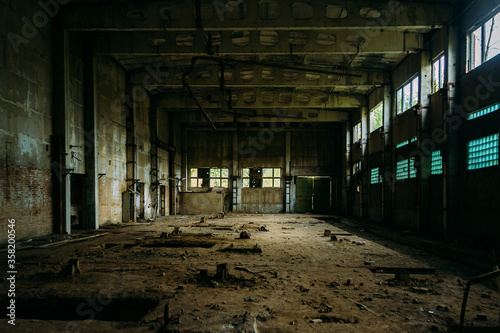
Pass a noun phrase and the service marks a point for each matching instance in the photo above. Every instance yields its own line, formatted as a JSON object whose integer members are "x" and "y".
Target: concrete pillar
{"x": 424, "y": 135}
{"x": 131, "y": 152}
{"x": 287, "y": 179}
{"x": 184, "y": 162}
{"x": 388, "y": 175}
{"x": 235, "y": 179}
{"x": 450, "y": 155}
{"x": 155, "y": 182}
{"x": 61, "y": 158}
{"x": 348, "y": 193}
{"x": 365, "y": 121}
{"x": 91, "y": 209}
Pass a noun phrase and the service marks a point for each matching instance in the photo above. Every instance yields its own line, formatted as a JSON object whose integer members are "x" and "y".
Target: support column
{"x": 235, "y": 173}
{"x": 131, "y": 146}
{"x": 155, "y": 183}
{"x": 184, "y": 167}
{"x": 61, "y": 159}
{"x": 287, "y": 178}
{"x": 450, "y": 157}
{"x": 91, "y": 201}
{"x": 424, "y": 135}
{"x": 364, "y": 162}
{"x": 388, "y": 174}
{"x": 348, "y": 193}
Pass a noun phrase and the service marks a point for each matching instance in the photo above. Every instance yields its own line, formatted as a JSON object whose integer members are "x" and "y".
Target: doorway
{"x": 313, "y": 194}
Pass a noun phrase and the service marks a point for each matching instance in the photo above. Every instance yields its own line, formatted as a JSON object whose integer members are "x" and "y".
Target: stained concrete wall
{"x": 111, "y": 139}
{"x": 201, "y": 203}
{"x": 143, "y": 141}
{"x": 25, "y": 122}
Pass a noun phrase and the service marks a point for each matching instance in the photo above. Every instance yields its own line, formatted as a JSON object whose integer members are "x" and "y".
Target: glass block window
{"x": 411, "y": 167}
{"x": 209, "y": 177}
{"x": 375, "y": 176}
{"x": 483, "y": 152}
{"x": 436, "y": 163}
{"x": 482, "y": 112}
{"x": 408, "y": 95}
{"x": 402, "y": 144}
{"x": 406, "y": 169}
{"x": 402, "y": 170}
{"x": 377, "y": 117}
{"x": 261, "y": 177}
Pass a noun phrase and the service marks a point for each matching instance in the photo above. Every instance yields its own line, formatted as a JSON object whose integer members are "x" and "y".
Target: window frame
{"x": 357, "y": 133}
{"x": 249, "y": 181}
{"x": 379, "y": 107}
{"x": 470, "y": 38}
{"x": 400, "y": 95}
{"x": 441, "y": 75}
{"x": 200, "y": 180}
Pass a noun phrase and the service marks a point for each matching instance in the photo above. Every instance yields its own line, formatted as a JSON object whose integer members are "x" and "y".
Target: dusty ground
{"x": 301, "y": 282}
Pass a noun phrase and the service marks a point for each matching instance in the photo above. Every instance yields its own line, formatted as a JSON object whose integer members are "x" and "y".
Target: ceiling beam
{"x": 279, "y": 116}
{"x": 248, "y": 76}
{"x": 314, "y": 42}
{"x": 249, "y": 15}
{"x": 260, "y": 98}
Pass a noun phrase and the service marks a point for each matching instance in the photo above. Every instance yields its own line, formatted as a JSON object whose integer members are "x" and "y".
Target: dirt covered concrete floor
{"x": 288, "y": 277}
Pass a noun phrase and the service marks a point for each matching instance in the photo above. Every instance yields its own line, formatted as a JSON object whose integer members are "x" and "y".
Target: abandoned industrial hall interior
{"x": 249, "y": 166}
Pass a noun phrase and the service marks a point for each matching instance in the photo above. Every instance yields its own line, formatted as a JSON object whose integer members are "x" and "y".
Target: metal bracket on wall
{"x": 101, "y": 175}
{"x": 68, "y": 171}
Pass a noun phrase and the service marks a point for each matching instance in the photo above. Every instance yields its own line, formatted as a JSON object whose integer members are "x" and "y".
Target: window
{"x": 406, "y": 169}
{"x": 356, "y": 167}
{"x": 436, "y": 163}
{"x": 261, "y": 177}
{"x": 483, "y": 152}
{"x": 408, "y": 95}
{"x": 356, "y": 133}
{"x": 404, "y": 143}
{"x": 482, "y": 112}
{"x": 483, "y": 43}
{"x": 438, "y": 74}
{"x": 209, "y": 177}
{"x": 377, "y": 117}
{"x": 375, "y": 176}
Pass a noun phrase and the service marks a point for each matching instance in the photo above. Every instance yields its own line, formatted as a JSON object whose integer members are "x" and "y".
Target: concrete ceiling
{"x": 304, "y": 54}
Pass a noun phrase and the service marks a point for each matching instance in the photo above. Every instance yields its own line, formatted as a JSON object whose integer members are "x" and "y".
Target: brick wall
{"x": 25, "y": 195}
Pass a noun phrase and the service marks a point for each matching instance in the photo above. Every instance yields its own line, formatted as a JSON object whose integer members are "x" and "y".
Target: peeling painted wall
{"x": 25, "y": 126}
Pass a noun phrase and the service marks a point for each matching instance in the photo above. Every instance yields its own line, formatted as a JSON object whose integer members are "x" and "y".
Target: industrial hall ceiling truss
{"x": 314, "y": 60}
